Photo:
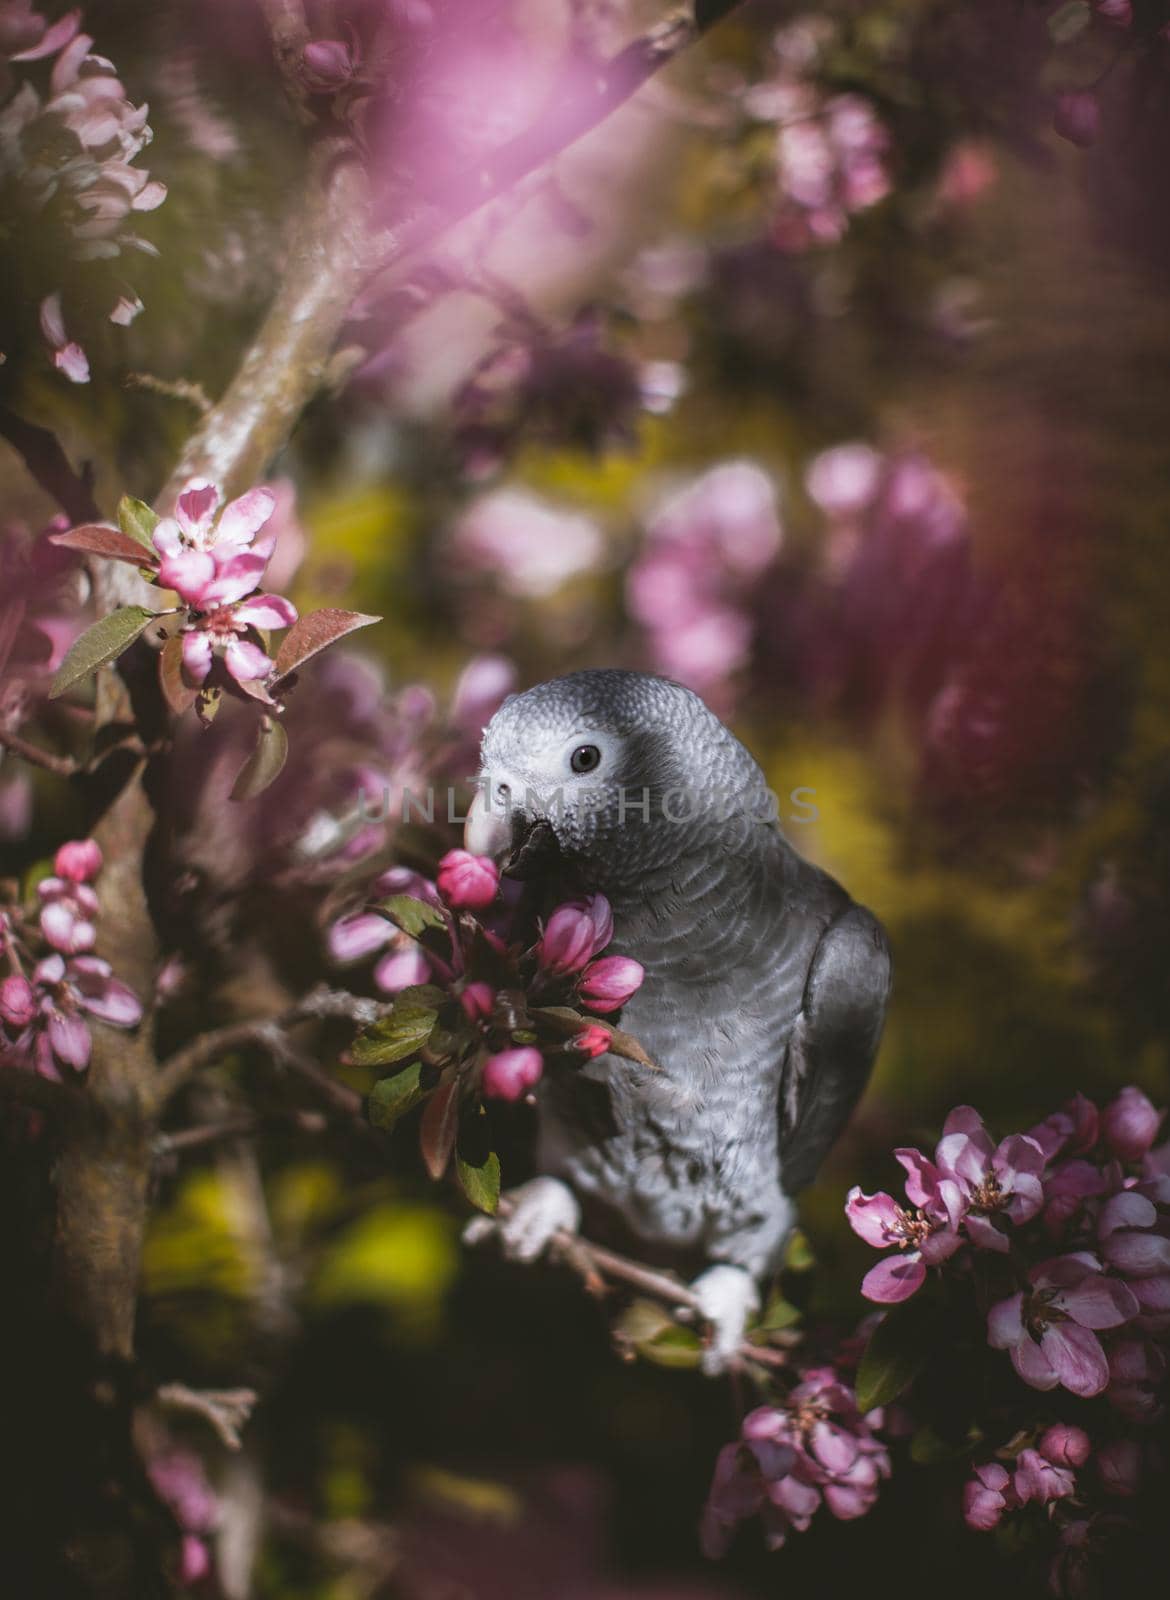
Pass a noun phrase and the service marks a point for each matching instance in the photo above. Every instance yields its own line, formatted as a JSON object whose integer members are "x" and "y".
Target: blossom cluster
{"x": 814, "y": 1449}
{"x": 54, "y": 981}
{"x": 485, "y": 997}
{"x": 692, "y": 582}
{"x": 498, "y": 971}
{"x": 832, "y": 150}
{"x": 213, "y": 559}
{"x": 1055, "y": 1245}
{"x": 70, "y": 155}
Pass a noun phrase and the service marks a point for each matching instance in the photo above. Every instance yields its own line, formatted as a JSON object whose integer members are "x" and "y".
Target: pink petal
{"x": 266, "y": 611}
{"x": 235, "y": 577}
{"x": 1005, "y": 1323}
{"x": 116, "y": 1003}
{"x": 70, "y": 1039}
{"x": 873, "y": 1217}
{"x": 68, "y": 64}
{"x": 71, "y": 359}
{"x": 53, "y": 39}
{"x": 243, "y": 518}
{"x": 65, "y": 930}
{"x": 246, "y": 661}
{"x": 49, "y": 971}
{"x": 896, "y": 1278}
{"x": 196, "y": 506}
{"x": 354, "y": 938}
{"x": 1126, "y": 1210}
{"x": 150, "y": 196}
{"x": 167, "y": 537}
{"x": 53, "y": 320}
{"x": 1076, "y": 1357}
{"x": 197, "y": 654}
{"x": 1033, "y": 1365}
{"x": 401, "y": 969}
{"x": 188, "y": 573}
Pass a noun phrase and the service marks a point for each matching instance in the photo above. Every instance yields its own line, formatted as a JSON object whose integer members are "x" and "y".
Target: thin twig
{"x": 227, "y": 1410}
{"x": 269, "y": 1033}
{"x": 60, "y": 766}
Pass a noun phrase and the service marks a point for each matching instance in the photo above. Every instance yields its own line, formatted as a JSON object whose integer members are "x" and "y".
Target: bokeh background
{"x": 831, "y": 377}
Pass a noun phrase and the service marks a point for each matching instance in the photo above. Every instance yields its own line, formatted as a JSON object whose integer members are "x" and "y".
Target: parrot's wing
{"x": 833, "y": 1042}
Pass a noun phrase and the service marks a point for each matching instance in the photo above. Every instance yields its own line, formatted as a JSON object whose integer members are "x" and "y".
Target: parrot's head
{"x": 611, "y": 771}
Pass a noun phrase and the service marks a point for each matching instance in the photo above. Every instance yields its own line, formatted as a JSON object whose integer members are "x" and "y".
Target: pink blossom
{"x": 1038, "y": 1478}
{"x": 1137, "y": 1372}
{"x": 68, "y": 356}
{"x": 1129, "y": 1124}
{"x": 69, "y": 911}
{"x": 194, "y": 1559}
{"x": 402, "y": 968}
{"x": 467, "y": 881}
{"x": 574, "y": 934}
{"x": 66, "y": 990}
{"x": 987, "y": 1496}
{"x": 1072, "y": 1130}
{"x": 1077, "y": 116}
{"x": 591, "y": 1041}
{"x": 355, "y": 937}
{"x": 607, "y": 984}
{"x": 205, "y": 559}
{"x": 18, "y": 1001}
{"x": 926, "y": 1236}
{"x": 478, "y": 1000}
{"x": 1051, "y": 1332}
{"x": 1064, "y": 1444}
{"x": 222, "y": 633}
{"x": 509, "y": 1074}
{"x": 1003, "y": 1180}
{"x": 79, "y": 860}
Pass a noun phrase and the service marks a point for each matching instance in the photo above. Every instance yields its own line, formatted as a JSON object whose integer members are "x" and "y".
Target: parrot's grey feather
{"x": 834, "y": 1041}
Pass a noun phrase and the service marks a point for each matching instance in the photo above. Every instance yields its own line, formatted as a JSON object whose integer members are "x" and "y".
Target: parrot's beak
{"x": 487, "y": 832}
{"x": 522, "y": 844}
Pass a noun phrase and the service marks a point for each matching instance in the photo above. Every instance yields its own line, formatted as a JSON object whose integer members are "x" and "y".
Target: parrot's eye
{"x": 585, "y": 758}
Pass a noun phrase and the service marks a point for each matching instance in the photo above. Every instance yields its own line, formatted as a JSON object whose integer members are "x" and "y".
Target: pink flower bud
{"x": 574, "y": 934}
{"x": 1064, "y": 1445}
{"x": 1130, "y": 1124}
{"x": 511, "y": 1073}
{"x": 591, "y": 1041}
{"x": 477, "y": 1000}
{"x": 329, "y": 64}
{"x": 1077, "y": 117}
{"x": 610, "y": 982}
{"x": 79, "y": 860}
{"x": 468, "y": 881}
{"x": 18, "y": 1001}
{"x": 194, "y": 1560}
{"x": 1119, "y": 1464}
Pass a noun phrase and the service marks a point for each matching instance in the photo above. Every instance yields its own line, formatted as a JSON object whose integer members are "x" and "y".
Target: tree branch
{"x": 269, "y": 1033}
{"x": 60, "y": 766}
{"x": 227, "y": 1410}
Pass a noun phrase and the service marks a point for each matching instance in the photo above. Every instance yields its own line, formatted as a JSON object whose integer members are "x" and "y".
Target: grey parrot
{"x": 764, "y": 995}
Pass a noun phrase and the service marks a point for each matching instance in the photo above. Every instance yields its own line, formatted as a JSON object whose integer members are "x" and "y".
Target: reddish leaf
{"x": 177, "y": 694}
{"x": 315, "y": 632}
{"x": 98, "y": 540}
{"x": 440, "y": 1121}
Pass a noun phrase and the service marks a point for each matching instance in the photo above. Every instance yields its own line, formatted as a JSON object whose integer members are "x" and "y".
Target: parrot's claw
{"x": 536, "y": 1211}
{"x": 727, "y": 1296}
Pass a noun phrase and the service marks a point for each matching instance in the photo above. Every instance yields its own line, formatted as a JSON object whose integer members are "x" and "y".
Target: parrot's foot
{"x": 727, "y": 1296}
{"x": 536, "y": 1211}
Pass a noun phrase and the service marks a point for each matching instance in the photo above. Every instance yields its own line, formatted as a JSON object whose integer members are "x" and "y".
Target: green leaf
{"x": 265, "y": 763}
{"x": 481, "y": 1184}
{"x": 564, "y": 1022}
{"x": 393, "y": 1038}
{"x": 411, "y": 915}
{"x": 391, "y": 1098}
{"x": 778, "y": 1314}
{"x": 421, "y": 994}
{"x": 1069, "y": 20}
{"x": 928, "y": 1446}
{"x": 675, "y": 1347}
{"x": 100, "y": 644}
{"x": 798, "y": 1253}
{"x": 898, "y": 1350}
{"x": 138, "y": 522}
